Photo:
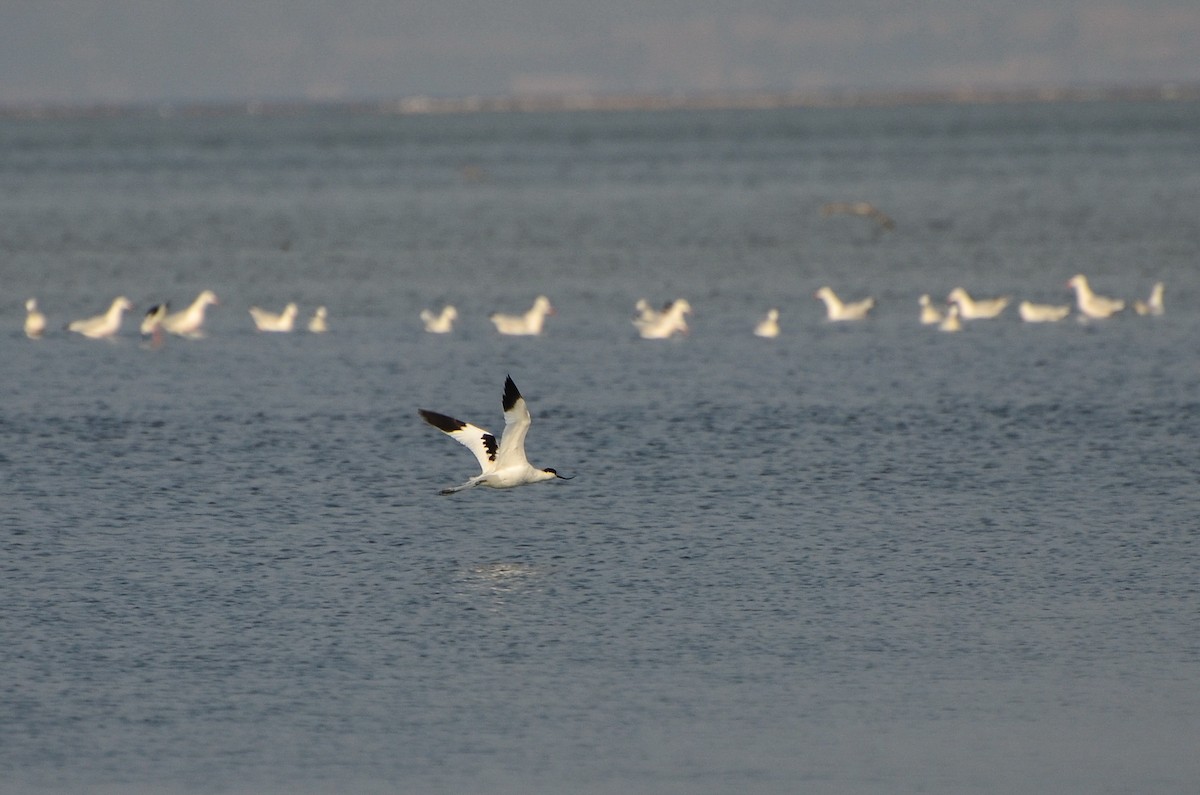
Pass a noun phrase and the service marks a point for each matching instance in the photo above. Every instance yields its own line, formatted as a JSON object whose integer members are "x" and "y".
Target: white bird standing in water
{"x": 187, "y": 323}
{"x": 769, "y": 326}
{"x": 35, "y": 321}
{"x": 318, "y": 323}
{"x": 836, "y": 310}
{"x": 527, "y": 324}
{"x": 1152, "y": 305}
{"x": 270, "y": 321}
{"x": 503, "y": 465}
{"x": 1091, "y": 305}
{"x": 951, "y": 323}
{"x": 441, "y": 323}
{"x": 930, "y": 315}
{"x": 977, "y": 308}
{"x": 667, "y": 323}
{"x": 102, "y": 326}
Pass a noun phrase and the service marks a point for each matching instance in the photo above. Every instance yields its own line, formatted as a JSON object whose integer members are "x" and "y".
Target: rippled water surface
{"x": 859, "y": 558}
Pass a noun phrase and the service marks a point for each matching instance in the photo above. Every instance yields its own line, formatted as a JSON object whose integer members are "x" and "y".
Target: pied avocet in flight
{"x": 504, "y": 464}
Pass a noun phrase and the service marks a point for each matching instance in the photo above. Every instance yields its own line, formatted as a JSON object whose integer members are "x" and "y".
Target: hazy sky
{"x": 146, "y": 50}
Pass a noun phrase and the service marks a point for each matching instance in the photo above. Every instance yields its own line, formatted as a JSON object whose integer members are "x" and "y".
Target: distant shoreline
{"x": 732, "y": 100}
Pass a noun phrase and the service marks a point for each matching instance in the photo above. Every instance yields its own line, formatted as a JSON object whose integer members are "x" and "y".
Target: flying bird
{"x": 503, "y": 464}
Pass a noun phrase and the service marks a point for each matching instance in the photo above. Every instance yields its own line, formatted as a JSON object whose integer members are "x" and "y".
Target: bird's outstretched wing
{"x": 481, "y": 443}
{"x": 516, "y": 425}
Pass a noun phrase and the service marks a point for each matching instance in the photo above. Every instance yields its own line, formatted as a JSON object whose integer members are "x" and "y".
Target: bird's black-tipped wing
{"x": 511, "y": 394}
{"x": 481, "y": 443}
{"x": 516, "y": 425}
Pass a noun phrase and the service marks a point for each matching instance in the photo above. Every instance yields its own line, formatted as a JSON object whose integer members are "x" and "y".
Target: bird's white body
{"x": 837, "y": 310}
{"x": 503, "y": 465}
{"x": 951, "y": 321}
{"x": 1042, "y": 313}
{"x": 1152, "y": 305}
{"x": 670, "y": 321}
{"x": 769, "y": 326}
{"x": 976, "y": 309}
{"x": 35, "y": 321}
{"x": 442, "y": 322}
{"x": 1091, "y": 305}
{"x": 930, "y": 314}
{"x": 528, "y": 324}
{"x": 188, "y": 322}
{"x": 102, "y": 326}
{"x": 319, "y": 322}
{"x": 270, "y": 321}
{"x": 152, "y": 322}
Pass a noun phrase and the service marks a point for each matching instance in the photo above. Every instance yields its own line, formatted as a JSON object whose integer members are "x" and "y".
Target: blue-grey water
{"x": 858, "y": 558}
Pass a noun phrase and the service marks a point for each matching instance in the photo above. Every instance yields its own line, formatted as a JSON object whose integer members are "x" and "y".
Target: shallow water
{"x": 857, "y": 558}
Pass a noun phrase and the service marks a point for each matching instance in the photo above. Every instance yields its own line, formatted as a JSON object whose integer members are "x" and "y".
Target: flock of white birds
{"x": 159, "y": 319}
{"x": 960, "y": 306}
{"x": 651, "y": 323}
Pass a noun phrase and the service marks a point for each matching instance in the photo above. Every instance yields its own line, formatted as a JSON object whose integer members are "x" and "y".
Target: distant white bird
{"x": 503, "y": 465}
{"x": 930, "y": 314}
{"x": 1154, "y": 304}
{"x": 977, "y": 309}
{"x": 769, "y": 326}
{"x": 188, "y": 322}
{"x": 527, "y": 324}
{"x": 951, "y": 322}
{"x": 152, "y": 320}
{"x": 318, "y": 323}
{"x": 1091, "y": 305}
{"x": 1042, "y": 313}
{"x": 35, "y": 321}
{"x": 270, "y": 321}
{"x": 152, "y": 324}
{"x": 837, "y": 310}
{"x": 670, "y": 321}
{"x": 442, "y": 322}
{"x": 102, "y": 326}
